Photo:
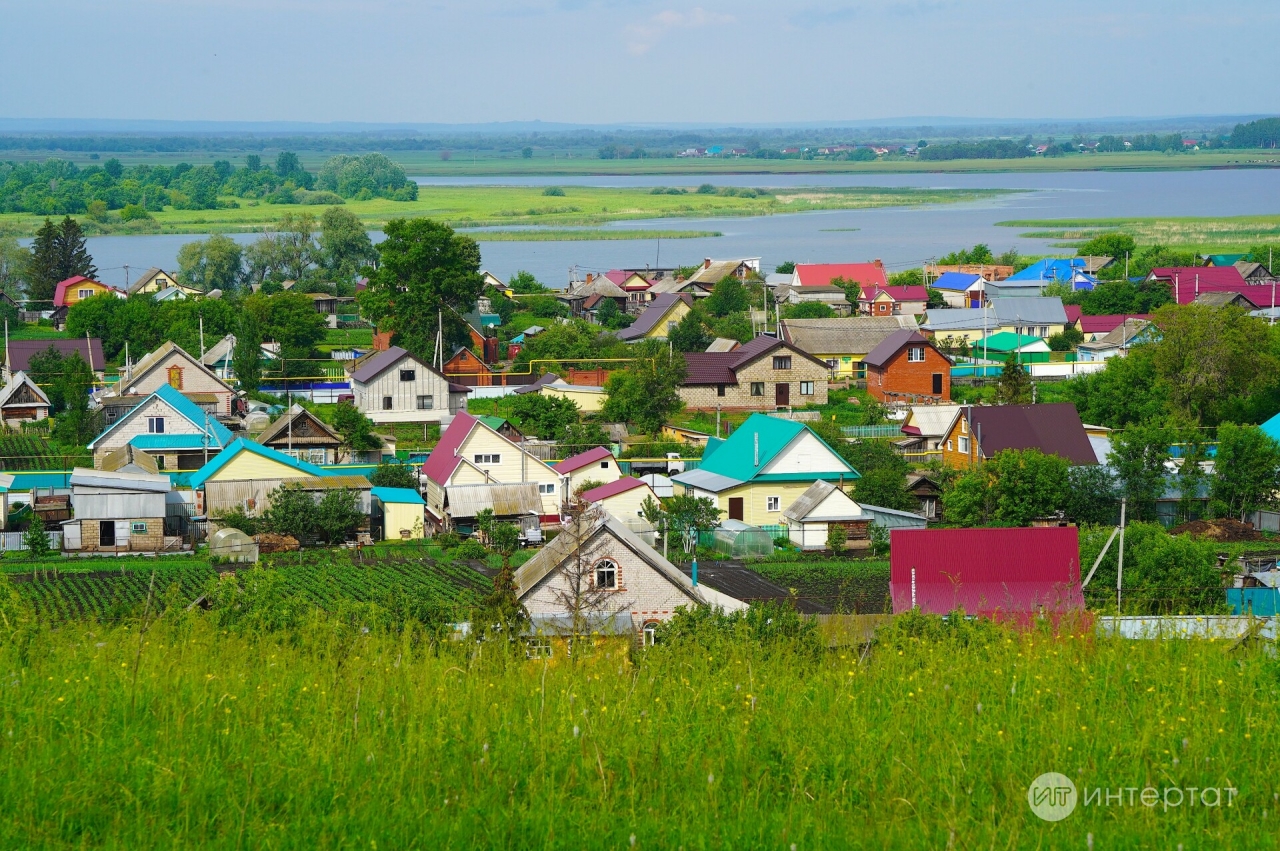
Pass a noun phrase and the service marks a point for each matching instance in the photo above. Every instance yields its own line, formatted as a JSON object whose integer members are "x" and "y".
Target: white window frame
{"x": 915, "y": 354}
{"x": 487, "y": 458}
{"x": 547, "y": 488}
{"x": 155, "y": 425}
{"x": 138, "y": 527}
{"x": 601, "y": 571}
{"x": 949, "y": 446}
{"x": 649, "y": 633}
{"x": 537, "y": 647}
{"x": 83, "y": 294}
{"x": 316, "y": 456}
{"x": 964, "y": 445}
{"x": 773, "y": 503}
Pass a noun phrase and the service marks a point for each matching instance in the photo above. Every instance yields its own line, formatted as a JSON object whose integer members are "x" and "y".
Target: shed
{"x": 810, "y": 517}
{"x": 997, "y": 572}
{"x": 398, "y": 513}
{"x": 735, "y": 539}
{"x": 233, "y": 545}
{"x": 662, "y": 486}
{"x": 516, "y": 502}
{"x": 622, "y": 498}
{"x": 116, "y": 511}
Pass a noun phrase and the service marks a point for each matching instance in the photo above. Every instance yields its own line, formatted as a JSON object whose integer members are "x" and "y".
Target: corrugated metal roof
{"x": 406, "y": 496}
{"x": 21, "y": 351}
{"x": 326, "y": 483}
{"x": 705, "y": 480}
{"x": 444, "y": 459}
{"x": 722, "y": 344}
{"x": 1054, "y": 429}
{"x": 986, "y": 571}
{"x": 653, "y": 314}
{"x": 504, "y": 500}
{"x": 931, "y": 420}
{"x": 583, "y": 459}
{"x": 736, "y": 458}
{"x": 85, "y": 477}
{"x": 613, "y": 489}
{"x": 811, "y": 499}
{"x": 891, "y": 345}
{"x": 171, "y": 441}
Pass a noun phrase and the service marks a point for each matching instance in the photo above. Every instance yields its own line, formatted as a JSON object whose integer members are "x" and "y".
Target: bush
{"x": 553, "y": 191}
{"x": 469, "y": 550}
{"x": 134, "y": 212}
{"x": 237, "y": 519}
{"x": 447, "y": 540}
{"x": 836, "y": 538}
{"x": 394, "y": 475}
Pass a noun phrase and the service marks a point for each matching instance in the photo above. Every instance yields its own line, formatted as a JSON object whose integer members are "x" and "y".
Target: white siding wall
{"x": 404, "y": 394}
{"x": 513, "y": 467}
{"x": 134, "y": 423}
{"x": 805, "y": 454}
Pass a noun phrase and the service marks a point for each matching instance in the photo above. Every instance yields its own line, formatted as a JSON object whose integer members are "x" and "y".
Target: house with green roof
{"x": 762, "y": 468}
{"x": 176, "y": 432}
{"x": 1006, "y": 342}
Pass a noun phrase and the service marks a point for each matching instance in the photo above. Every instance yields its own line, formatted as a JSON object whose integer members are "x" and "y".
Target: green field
{"x": 237, "y": 733}
{"x": 1208, "y": 235}
{"x": 496, "y": 206}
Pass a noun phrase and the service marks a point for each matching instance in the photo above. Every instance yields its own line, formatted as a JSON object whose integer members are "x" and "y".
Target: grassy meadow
{"x": 241, "y": 733}
{"x": 498, "y": 206}
{"x": 1207, "y": 235}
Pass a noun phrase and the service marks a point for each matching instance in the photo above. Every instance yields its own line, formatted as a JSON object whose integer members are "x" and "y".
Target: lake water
{"x": 901, "y": 237}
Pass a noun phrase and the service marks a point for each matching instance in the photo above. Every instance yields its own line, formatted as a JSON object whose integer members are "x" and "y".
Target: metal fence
{"x": 12, "y": 541}
{"x": 872, "y": 431}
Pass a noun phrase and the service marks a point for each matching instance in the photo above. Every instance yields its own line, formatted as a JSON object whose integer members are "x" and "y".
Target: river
{"x": 901, "y": 237}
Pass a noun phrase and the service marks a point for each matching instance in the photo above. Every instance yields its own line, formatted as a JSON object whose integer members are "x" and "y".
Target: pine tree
{"x": 73, "y": 251}
{"x": 1013, "y": 387}
{"x": 42, "y": 267}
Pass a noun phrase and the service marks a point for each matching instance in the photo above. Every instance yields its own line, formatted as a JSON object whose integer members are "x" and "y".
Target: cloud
{"x": 641, "y": 38}
{"x": 815, "y": 17}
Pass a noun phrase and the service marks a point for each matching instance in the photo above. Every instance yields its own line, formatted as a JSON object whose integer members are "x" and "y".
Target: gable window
{"x": 782, "y": 362}
{"x": 948, "y": 446}
{"x": 551, "y": 488}
{"x": 488, "y": 458}
{"x": 806, "y": 388}
{"x": 915, "y": 354}
{"x": 964, "y": 426}
{"x": 408, "y": 375}
{"x": 757, "y": 388}
{"x": 607, "y": 575}
{"x": 155, "y": 425}
{"x": 719, "y": 389}
{"x": 386, "y": 403}
{"x": 671, "y": 326}
{"x": 604, "y": 465}
{"x": 426, "y": 403}
{"x": 85, "y": 293}
{"x": 175, "y": 377}
{"x": 773, "y": 503}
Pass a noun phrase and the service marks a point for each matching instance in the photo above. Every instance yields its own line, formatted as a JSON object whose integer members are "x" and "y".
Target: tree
{"x": 582, "y": 436}
{"x": 728, "y": 296}
{"x": 690, "y": 333}
{"x": 291, "y": 320}
{"x": 211, "y": 264}
{"x": 356, "y": 429}
{"x": 1091, "y": 498}
{"x": 288, "y": 167}
{"x": 67, "y": 381}
{"x": 58, "y": 252}
{"x": 291, "y": 511}
{"x": 392, "y": 474}
{"x": 426, "y": 269}
{"x": 1013, "y": 387}
{"x": 1067, "y": 340}
{"x": 14, "y": 260}
{"x": 1208, "y": 356}
{"x": 345, "y": 247}
{"x": 338, "y": 514}
{"x": 1012, "y": 488}
{"x": 1116, "y": 245}
{"x": 646, "y": 395}
{"x": 685, "y": 516}
{"x": 545, "y": 417}
{"x": 1138, "y": 455}
{"x": 1124, "y": 393}
{"x": 524, "y": 283}
{"x": 371, "y": 175}
{"x": 785, "y": 268}
{"x": 1246, "y": 472}
{"x": 936, "y": 300}
{"x": 885, "y": 487}
{"x": 246, "y": 357}
{"x": 837, "y": 537}
{"x": 809, "y": 310}
{"x": 526, "y": 152}
{"x": 610, "y": 317}
{"x": 36, "y": 539}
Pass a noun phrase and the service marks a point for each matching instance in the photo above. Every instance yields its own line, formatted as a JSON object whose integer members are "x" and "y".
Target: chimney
{"x": 879, "y": 264}
{"x": 589, "y": 277}
{"x": 706, "y": 263}
{"x": 756, "y": 463}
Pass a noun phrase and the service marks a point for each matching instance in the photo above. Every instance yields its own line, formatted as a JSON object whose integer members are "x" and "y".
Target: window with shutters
{"x": 175, "y": 377}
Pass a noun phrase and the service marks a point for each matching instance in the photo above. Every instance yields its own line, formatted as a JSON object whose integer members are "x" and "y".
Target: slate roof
{"x": 151, "y": 360}
{"x": 379, "y": 362}
{"x": 1016, "y": 310}
{"x": 723, "y": 344}
{"x": 1120, "y": 335}
{"x": 543, "y": 381}
{"x": 1053, "y": 429}
{"x": 867, "y": 274}
{"x": 1221, "y": 298}
{"x": 21, "y": 352}
{"x": 714, "y": 272}
{"x": 853, "y": 335}
{"x": 891, "y": 345}
{"x": 583, "y": 459}
{"x": 653, "y": 314}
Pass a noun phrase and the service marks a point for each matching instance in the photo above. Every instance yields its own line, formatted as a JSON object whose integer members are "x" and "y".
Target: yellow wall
{"x": 594, "y": 473}
{"x": 755, "y": 501}
{"x": 72, "y": 294}
{"x": 247, "y": 466}
{"x": 510, "y": 470}
{"x": 401, "y": 515}
{"x": 588, "y": 401}
{"x": 677, "y": 312}
{"x": 847, "y": 364}
{"x": 627, "y": 505}
{"x": 975, "y": 335}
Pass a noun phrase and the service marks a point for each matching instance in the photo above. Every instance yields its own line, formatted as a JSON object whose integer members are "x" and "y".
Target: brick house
{"x": 908, "y": 367}
{"x": 892, "y": 301}
{"x": 763, "y": 375}
{"x": 116, "y": 512}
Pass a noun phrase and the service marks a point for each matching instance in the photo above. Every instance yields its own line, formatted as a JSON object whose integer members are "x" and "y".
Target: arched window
{"x": 606, "y": 574}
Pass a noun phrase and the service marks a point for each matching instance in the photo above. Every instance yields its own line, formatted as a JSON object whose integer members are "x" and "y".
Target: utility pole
{"x": 126, "y": 277}
{"x": 1120, "y": 564}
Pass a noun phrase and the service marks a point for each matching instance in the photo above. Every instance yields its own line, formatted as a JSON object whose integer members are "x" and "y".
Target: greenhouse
{"x": 735, "y": 539}
{"x": 233, "y": 545}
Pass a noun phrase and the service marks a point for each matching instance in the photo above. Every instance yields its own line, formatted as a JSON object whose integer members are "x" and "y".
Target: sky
{"x": 608, "y": 61}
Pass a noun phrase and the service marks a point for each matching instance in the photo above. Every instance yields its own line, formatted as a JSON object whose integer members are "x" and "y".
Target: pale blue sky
{"x": 596, "y": 61}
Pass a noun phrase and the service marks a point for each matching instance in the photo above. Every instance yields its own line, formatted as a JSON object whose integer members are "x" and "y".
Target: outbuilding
{"x": 398, "y": 513}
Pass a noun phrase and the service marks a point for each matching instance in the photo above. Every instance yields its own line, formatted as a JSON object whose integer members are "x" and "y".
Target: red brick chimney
{"x": 706, "y": 264}
{"x": 878, "y": 263}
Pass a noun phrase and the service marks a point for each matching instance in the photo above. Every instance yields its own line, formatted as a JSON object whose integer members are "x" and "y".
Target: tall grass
{"x": 202, "y": 732}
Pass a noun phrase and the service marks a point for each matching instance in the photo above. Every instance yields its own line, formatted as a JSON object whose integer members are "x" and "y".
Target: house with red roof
{"x": 74, "y": 290}
{"x": 822, "y": 274}
{"x": 473, "y": 467}
{"x": 1002, "y": 573}
{"x": 621, "y": 498}
{"x": 908, "y": 367}
{"x": 893, "y": 301}
{"x": 595, "y": 465}
{"x": 635, "y": 285}
{"x": 1097, "y": 327}
{"x": 1186, "y": 283}
{"x": 762, "y": 375}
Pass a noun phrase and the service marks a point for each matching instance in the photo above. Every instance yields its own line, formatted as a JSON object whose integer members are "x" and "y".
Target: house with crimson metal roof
{"x": 473, "y": 467}
{"x": 1003, "y": 573}
{"x": 621, "y": 498}
{"x": 394, "y": 386}
{"x": 978, "y": 432}
{"x": 892, "y": 301}
{"x": 1187, "y": 283}
{"x": 595, "y": 465}
{"x": 762, "y": 468}
{"x": 763, "y": 375}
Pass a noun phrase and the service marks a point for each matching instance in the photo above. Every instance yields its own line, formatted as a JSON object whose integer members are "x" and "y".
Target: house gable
{"x": 806, "y": 453}
{"x": 179, "y": 370}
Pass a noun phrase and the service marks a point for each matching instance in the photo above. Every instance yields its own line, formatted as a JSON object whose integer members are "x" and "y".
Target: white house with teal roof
{"x": 762, "y": 468}
{"x": 169, "y": 427}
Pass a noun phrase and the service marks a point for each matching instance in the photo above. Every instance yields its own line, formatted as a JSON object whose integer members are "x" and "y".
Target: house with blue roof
{"x": 176, "y": 432}
{"x": 768, "y": 462}
{"x": 960, "y": 289}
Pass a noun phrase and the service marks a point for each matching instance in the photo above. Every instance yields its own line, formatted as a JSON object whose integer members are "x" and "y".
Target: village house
{"x": 960, "y": 289}
{"x": 908, "y": 367}
{"x": 1036, "y": 316}
{"x": 659, "y": 319}
{"x": 474, "y": 467}
{"x": 244, "y": 475}
{"x": 634, "y": 284}
{"x": 1116, "y": 342}
{"x": 595, "y": 465}
{"x": 926, "y": 428}
{"x": 302, "y": 435}
{"x": 989, "y": 572}
{"x": 833, "y": 297}
{"x": 978, "y": 432}
{"x": 842, "y": 343}
{"x": 713, "y": 272}
{"x": 763, "y": 467}
{"x": 465, "y": 368}
{"x": 22, "y": 401}
{"x": 1095, "y": 327}
{"x": 1225, "y": 298}
{"x": 116, "y": 512}
{"x": 622, "y": 498}
{"x": 169, "y": 427}
{"x": 809, "y": 519}
{"x": 600, "y": 574}
{"x": 156, "y": 280}
{"x": 928, "y": 493}
{"x": 892, "y": 301}
{"x": 171, "y": 365}
{"x": 74, "y": 290}
{"x": 763, "y": 375}
{"x": 869, "y": 275}
{"x": 18, "y": 354}
{"x": 933, "y": 271}
{"x": 575, "y": 297}
{"x": 1186, "y": 283}
{"x": 393, "y": 386}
